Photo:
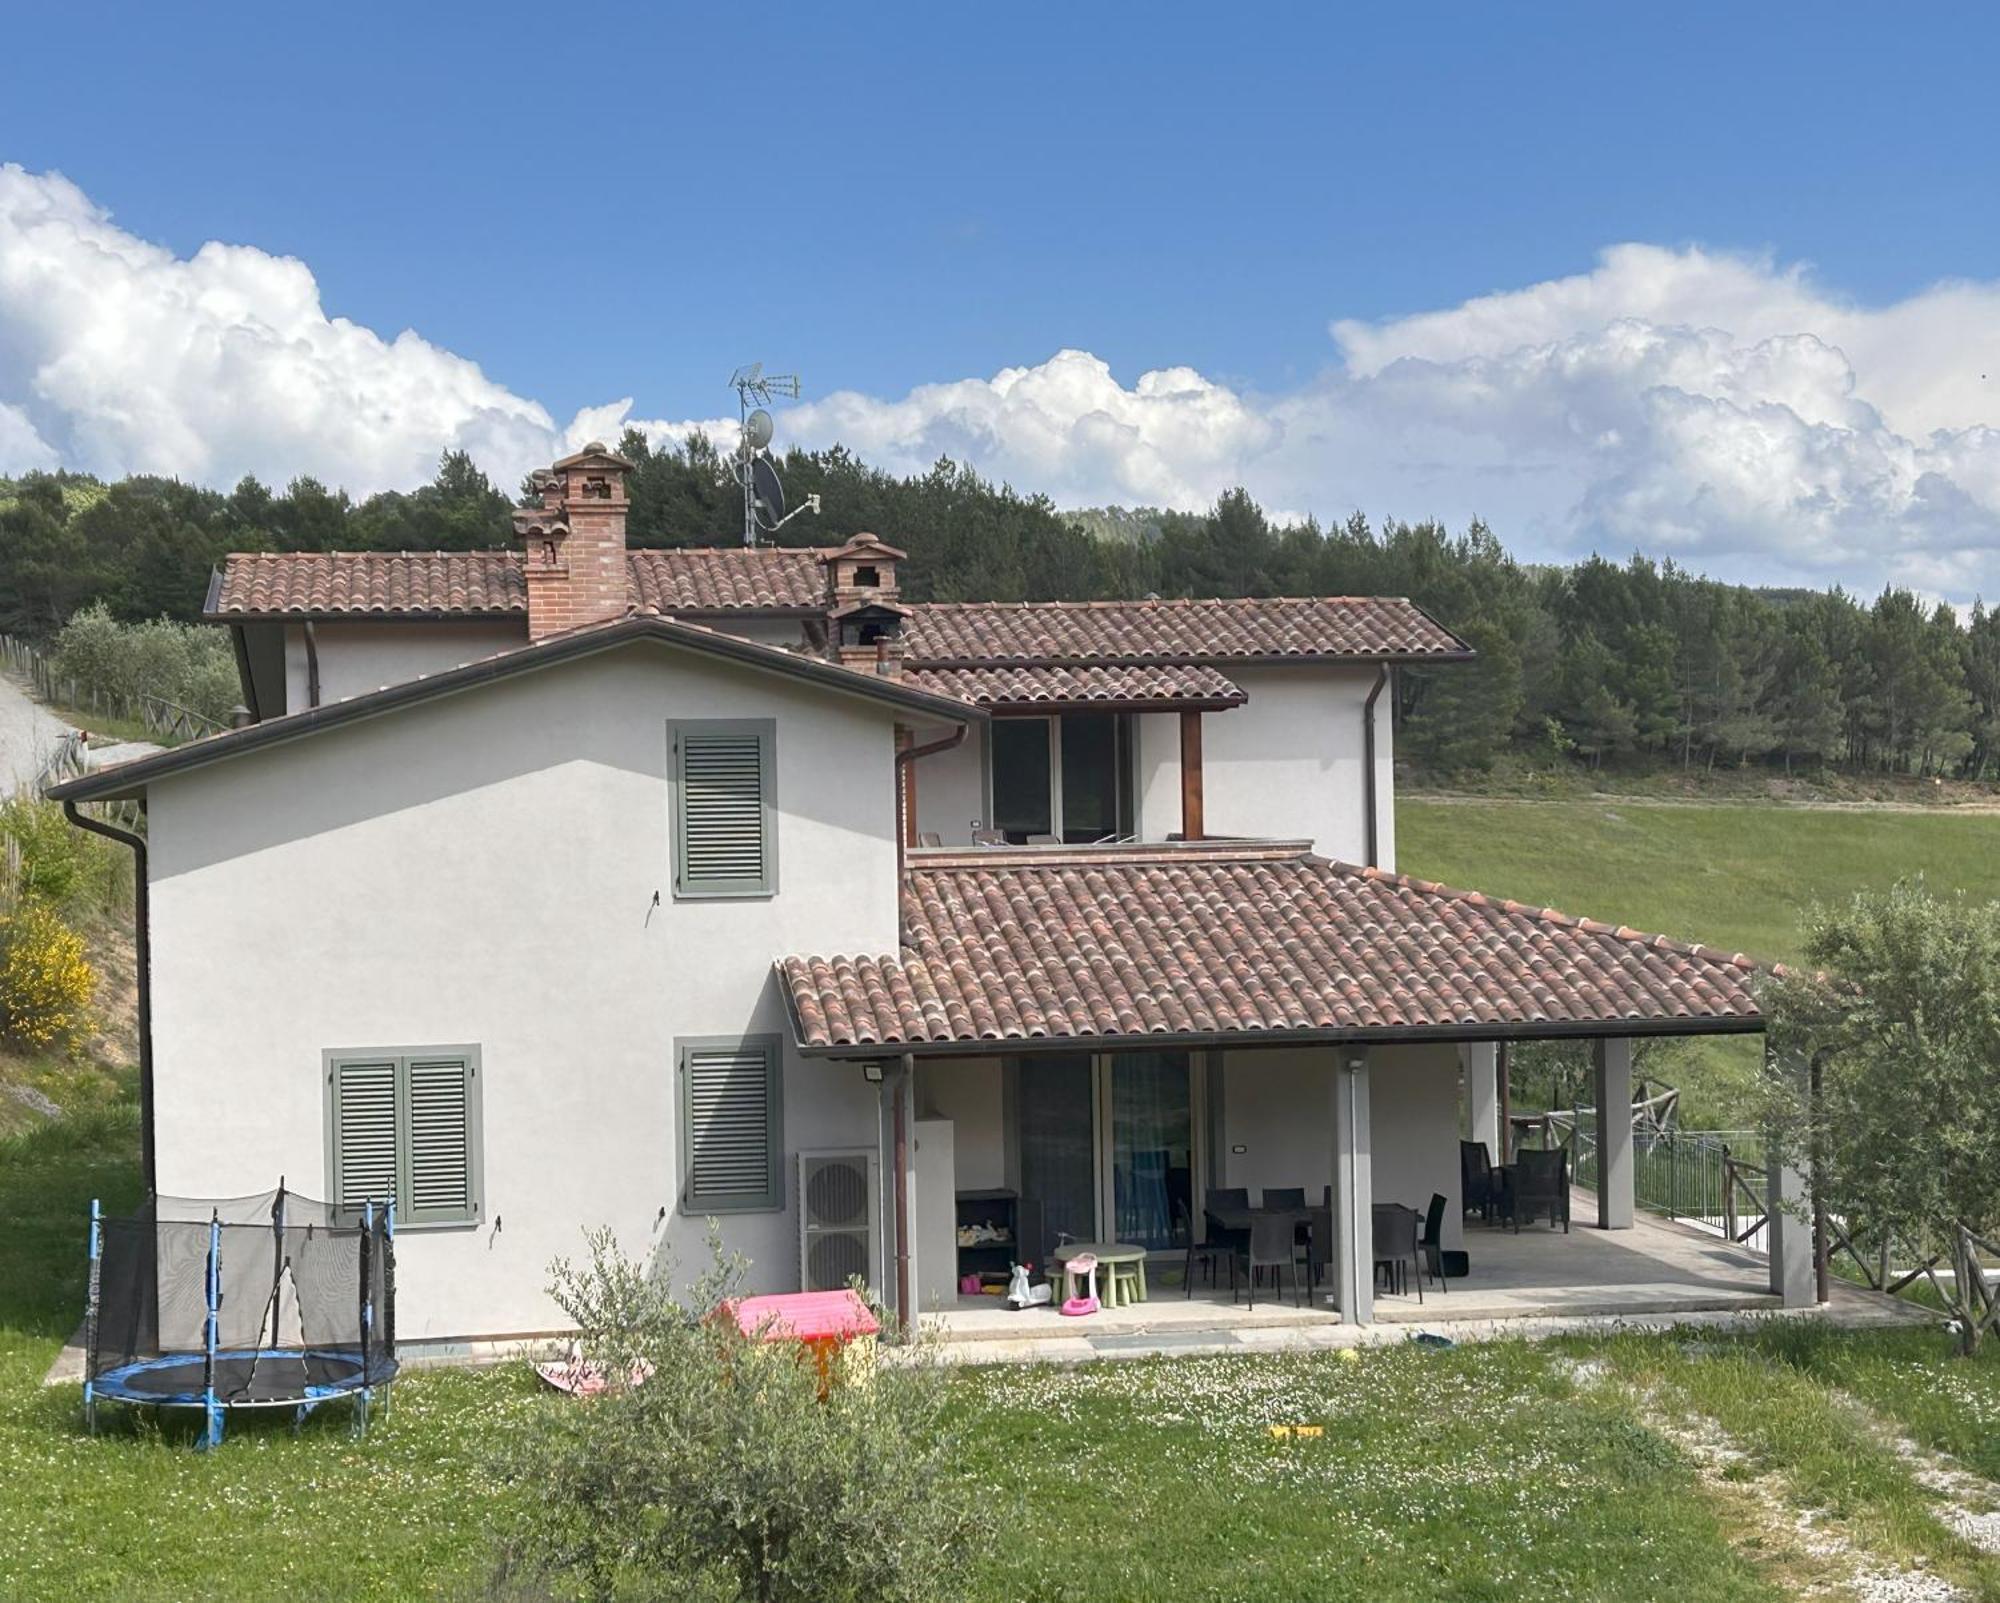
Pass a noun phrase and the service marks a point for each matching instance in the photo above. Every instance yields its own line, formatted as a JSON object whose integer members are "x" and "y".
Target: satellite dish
{"x": 768, "y": 492}
{"x": 757, "y": 429}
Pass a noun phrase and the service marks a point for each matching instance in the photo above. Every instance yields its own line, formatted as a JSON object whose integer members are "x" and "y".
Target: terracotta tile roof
{"x": 387, "y": 582}
{"x": 726, "y": 578}
{"x": 1351, "y": 627}
{"x": 487, "y": 583}
{"x": 1221, "y": 939}
{"x": 1034, "y": 685}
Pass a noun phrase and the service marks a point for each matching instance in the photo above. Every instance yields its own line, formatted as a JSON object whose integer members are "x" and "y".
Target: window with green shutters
{"x": 403, "y": 1127}
{"x": 724, "y": 812}
{"x": 732, "y": 1125}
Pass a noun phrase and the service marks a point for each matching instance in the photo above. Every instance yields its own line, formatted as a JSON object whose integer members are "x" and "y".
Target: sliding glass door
{"x": 1151, "y": 1147}
{"x": 1107, "y": 1145}
{"x": 1057, "y": 1099}
{"x": 1066, "y": 779}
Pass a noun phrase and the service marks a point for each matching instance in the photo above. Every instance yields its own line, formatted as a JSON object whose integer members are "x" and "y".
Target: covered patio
{"x": 1654, "y": 1268}
{"x": 1082, "y": 1045}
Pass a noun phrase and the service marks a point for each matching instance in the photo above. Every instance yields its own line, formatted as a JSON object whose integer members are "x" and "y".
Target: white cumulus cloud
{"x": 122, "y": 358}
{"x": 1724, "y": 409}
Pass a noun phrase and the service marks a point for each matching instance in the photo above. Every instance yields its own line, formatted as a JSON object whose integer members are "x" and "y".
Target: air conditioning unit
{"x": 838, "y": 1236}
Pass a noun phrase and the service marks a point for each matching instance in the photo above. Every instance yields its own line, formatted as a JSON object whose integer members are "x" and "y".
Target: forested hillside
{"x": 1636, "y": 663}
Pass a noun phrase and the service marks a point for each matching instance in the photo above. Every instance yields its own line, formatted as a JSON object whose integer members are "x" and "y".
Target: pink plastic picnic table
{"x": 806, "y": 1316}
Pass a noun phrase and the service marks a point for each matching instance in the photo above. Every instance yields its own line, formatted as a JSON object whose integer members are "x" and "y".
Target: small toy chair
{"x": 1082, "y": 1268}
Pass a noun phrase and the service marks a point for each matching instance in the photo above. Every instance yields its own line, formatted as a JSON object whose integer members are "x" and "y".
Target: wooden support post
{"x": 1191, "y": 819}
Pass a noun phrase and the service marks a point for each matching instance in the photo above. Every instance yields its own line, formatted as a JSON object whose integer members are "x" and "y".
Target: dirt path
{"x": 29, "y": 733}
{"x": 1808, "y": 1551}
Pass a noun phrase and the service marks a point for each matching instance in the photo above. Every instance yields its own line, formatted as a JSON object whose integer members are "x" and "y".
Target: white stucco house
{"x": 570, "y": 886}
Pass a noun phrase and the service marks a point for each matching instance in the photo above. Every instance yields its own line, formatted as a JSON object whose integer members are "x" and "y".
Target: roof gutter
{"x": 1248, "y": 1040}
{"x": 142, "y": 953}
{"x": 312, "y": 665}
{"x": 1368, "y": 786}
{"x": 243, "y": 674}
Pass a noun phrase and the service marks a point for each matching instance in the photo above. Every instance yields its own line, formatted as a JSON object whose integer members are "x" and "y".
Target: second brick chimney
{"x": 574, "y": 556}
{"x": 861, "y": 596}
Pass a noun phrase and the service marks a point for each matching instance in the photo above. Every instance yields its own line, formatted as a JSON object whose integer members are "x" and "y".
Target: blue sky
{"x": 628, "y": 202}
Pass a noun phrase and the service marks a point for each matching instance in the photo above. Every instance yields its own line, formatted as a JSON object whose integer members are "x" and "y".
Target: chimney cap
{"x": 595, "y": 454}
{"x": 863, "y": 545}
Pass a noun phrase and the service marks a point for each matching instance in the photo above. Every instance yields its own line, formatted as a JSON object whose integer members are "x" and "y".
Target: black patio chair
{"x": 1232, "y": 1199}
{"x": 1206, "y": 1254}
{"x": 1273, "y": 1245}
{"x": 1284, "y": 1196}
{"x": 1478, "y": 1190}
{"x": 1319, "y": 1244}
{"x": 1432, "y": 1241}
{"x": 1396, "y": 1246}
{"x": 1541, "y": 1185}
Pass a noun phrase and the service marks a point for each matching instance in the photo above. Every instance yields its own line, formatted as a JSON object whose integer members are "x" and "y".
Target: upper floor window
{"x": 725, "y": 831}
{"x": 1065, "y": 779}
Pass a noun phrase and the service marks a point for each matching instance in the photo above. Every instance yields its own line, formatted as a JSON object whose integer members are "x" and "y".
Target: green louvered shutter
{"x": 724, "y": 833}
{"x": 732, "y": 1132}
{"x": 440, "y": 1144}
{"x": 364, "y": 1135}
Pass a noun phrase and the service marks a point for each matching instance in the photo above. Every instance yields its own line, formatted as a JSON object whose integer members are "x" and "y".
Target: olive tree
{"x": 719, "y": 1467}
{"x": 1897, "y": 1010}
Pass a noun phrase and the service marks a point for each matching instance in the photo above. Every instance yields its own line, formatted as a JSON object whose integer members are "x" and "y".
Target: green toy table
{"x": 1124, "y": 1266}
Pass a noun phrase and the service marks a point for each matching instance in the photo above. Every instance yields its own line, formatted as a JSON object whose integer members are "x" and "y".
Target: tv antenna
{"x": 752, "y": 465}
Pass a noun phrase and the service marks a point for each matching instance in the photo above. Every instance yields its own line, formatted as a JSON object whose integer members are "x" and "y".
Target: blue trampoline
{"x": 268, "y": 1301}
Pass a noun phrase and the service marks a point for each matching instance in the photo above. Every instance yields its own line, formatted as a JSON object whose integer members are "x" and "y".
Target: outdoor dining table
{"x": 1316, "y": 1221}
{"x": 1124, "y": 1265}
{"x": 1237, "y": 1220}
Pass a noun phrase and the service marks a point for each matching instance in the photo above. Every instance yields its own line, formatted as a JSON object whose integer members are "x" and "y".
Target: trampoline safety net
{"x": 303, "y": 1302}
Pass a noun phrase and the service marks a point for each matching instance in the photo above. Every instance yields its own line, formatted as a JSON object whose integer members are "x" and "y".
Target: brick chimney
{"x": 574, "y": 543}
{"x": 861, "y": 604}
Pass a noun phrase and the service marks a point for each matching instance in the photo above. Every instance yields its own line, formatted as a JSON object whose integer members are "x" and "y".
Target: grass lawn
{"x": 1482, "y": 1473}
{"x": 1736, "y": 876}
{"x": 1733, "y": 875}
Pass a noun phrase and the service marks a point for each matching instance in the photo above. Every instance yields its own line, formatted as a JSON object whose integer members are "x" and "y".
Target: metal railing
{"x": 1711, "y": 1178}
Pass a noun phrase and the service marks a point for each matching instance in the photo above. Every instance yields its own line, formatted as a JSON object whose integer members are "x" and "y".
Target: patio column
{"x": 1481, "y": 1063}
{"x": 1352, "y": 1261}
{"x": 1787, "y": 1225}
{"x": 1613, "y": 1062}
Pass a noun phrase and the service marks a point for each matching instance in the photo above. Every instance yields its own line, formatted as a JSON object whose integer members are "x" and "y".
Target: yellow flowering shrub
{"x": 46, "y": 983}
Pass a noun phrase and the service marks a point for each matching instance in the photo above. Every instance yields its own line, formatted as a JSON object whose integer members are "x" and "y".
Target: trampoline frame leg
{"x": 211, "y": 1430}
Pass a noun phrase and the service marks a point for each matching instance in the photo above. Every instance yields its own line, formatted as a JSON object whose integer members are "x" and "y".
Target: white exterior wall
{"x": 787, "y": 632}
{"x": 951, "y": 785}
{"x": 365, "y": 654}
{"x": 480, "y": 870}
{"x": 971, "y": 1093}
{"x": 1287, "y": 765}
{"x": 357, "y": 657}
{"x": 1277, "y": 1105}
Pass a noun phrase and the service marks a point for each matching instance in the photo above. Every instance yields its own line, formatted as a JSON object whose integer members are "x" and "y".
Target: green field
{"x": 1735, "y": 876}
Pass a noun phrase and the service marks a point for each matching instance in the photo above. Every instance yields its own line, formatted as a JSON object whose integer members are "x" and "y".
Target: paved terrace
{"x": 1539, "y": 1282}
